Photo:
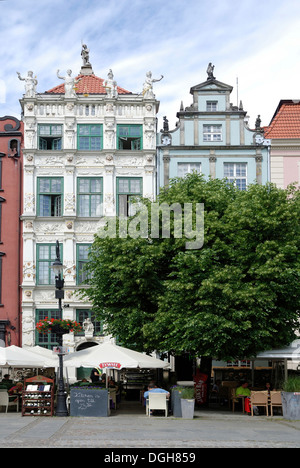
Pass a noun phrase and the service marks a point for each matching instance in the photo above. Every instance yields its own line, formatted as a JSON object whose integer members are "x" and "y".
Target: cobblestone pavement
{"x": 131, "y": 428}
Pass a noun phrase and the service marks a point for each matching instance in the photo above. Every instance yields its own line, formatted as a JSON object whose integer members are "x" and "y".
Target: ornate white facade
{"x": 55, "y": 155}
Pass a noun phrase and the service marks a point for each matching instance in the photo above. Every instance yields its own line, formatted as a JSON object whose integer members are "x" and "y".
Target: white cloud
{"x": 256, "y": 41}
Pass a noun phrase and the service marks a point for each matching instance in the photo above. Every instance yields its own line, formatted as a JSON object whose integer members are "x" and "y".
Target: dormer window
{"x": 211, "y": 106}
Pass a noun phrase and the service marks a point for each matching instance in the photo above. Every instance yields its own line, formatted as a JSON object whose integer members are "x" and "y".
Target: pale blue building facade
{"x": 212, "y": 137}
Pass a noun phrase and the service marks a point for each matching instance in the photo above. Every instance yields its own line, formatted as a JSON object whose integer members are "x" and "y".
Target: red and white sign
{"x": 110, "y": 365}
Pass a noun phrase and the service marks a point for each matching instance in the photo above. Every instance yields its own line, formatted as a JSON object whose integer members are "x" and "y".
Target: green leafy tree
{"x": 237, "y": 295}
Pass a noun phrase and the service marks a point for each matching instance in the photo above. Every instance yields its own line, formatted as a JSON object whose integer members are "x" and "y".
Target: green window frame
{"x": 82, "y": 253}
{"x": 89, "y": 137}
{"x": 90, "y": 196}
{"x": 128, "y": 189}
{"x": 45, "y": 256}
{"x": 49, "y": 196}
{"x": 50, "y": 137}
{"x": 82, "y": 314}
{"x": 130, "y": 137}
{"x": 46, "y": 340}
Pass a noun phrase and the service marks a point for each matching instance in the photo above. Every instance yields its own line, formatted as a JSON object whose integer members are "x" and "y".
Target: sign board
{"x": 60, "y": 350}
{"x": 110, "y": 365}
{"x": 89, "y": 402}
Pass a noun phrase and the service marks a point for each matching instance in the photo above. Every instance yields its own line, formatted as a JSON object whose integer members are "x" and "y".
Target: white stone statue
{"x": 30, "y": 84}
{"x": 85, "y": 54}
{"x": 111, "y": 85}
{"x": 88, "y": 328}
{"x": 148, "y": 85}
{"x": 70, "y": 83}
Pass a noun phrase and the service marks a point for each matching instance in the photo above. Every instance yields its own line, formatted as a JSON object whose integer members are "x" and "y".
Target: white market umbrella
{"x": 290, "y": 352}
{"x": 50, "y": 359}
{"x": 110, "y": 356}
{"x": 14, "y": 356}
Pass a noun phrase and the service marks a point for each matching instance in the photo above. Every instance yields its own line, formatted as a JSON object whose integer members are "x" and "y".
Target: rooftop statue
{"x": 210, "y": 71}
{"x": 111, "y": 85}
{"x": 85, "y": 54}
{"x": 148, "y": 85}
{"x": 30, "y": 84}
{"x": 70, "y": 83}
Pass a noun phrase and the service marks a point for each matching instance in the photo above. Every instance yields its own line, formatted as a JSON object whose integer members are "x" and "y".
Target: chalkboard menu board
{"x": 89, "y": 402}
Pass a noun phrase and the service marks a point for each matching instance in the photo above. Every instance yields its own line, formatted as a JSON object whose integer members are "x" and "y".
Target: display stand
{"x": 38, "y": 397}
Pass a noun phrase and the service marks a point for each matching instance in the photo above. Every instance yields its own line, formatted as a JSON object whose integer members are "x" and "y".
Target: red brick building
{"x": 11, "y": 140}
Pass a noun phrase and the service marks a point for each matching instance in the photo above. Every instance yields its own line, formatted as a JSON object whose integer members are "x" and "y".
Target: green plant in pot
{"x": 290, "y": 397}
{"x": 188, "y": 393}
{"x": 187, "y": 396}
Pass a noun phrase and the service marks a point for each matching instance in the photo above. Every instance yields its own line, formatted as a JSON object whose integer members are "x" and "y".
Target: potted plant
{"x": 176, "y": 401}
{"x": 58, "y": 326}
{"x": 187, "y": 402}
{"x": 290, "y": 397}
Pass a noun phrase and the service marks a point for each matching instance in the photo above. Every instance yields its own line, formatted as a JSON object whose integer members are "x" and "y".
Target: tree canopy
{"x": 235, "y": 296}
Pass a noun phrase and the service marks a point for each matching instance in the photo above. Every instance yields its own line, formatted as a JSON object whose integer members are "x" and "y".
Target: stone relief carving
{"x": 70, "y": 202}
{"x": 29, "y": 202}
{"x": 29, "y": 270}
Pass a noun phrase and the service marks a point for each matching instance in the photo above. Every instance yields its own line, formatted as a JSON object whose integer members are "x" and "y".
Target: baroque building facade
{"x": 11, "y": 142}
{"x": 284, "y": 133}
{"x": 90, "y": 147}
{"x": 212, "y": 137}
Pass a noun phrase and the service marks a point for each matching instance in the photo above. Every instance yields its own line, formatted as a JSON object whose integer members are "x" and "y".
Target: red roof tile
{"x": 89, "y": 84}
{"x": 286, "y": 121}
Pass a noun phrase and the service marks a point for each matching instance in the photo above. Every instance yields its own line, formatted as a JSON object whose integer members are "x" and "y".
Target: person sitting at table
{"x": 6, "y": 382}
{"x": 16, "y": 390}
{"x": 244, "y": 391}
{"x": 154, "y": 389}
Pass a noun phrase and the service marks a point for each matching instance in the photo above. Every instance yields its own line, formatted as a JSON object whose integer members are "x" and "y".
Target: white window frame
{"x": 212, "y": 132}
{"x": 235, "y": 177}
{"x": 211, "y": 106}
{"x": 190, "y": 167}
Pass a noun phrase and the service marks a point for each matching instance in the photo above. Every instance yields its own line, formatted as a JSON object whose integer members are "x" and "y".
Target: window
{"x": 45, "y": 256}
{"x": 50, "y": 191}
{"x": 50, "y": 137}
{"x": 212, "y": 132}
{"x": 82, "y": 258}
{"x": 129, "y": 137}
{"x": 236, "y": 173}
{"x": 127, "y": 190}
{"x": 89, "y": 196}
{"x": 187, "y": 168}
{"x": 46, "y": 340}
{"x": 89, "y": 137}
{"x": 83, "y": 314}
{"x": 211, "y": 106}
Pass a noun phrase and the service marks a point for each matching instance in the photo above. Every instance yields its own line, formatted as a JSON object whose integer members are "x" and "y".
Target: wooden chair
{"x": 4, "y": 401}
{"x": 157, "y": 401}
{"x": 275, "y": 400}
{"x": 233, "y": 398}
{"x": 259, "y": 399}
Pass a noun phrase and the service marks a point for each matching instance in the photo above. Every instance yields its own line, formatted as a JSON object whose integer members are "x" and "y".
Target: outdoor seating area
{"x": 263, "y": 399}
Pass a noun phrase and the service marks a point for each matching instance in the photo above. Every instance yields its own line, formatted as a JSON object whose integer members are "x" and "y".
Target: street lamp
{"x": 57, "y": 267}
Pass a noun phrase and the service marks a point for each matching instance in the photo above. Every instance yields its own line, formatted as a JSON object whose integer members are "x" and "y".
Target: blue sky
{"x": 256, "y": 42}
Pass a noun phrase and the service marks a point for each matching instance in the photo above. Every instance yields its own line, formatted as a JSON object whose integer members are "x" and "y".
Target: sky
{"x": 253, "y": 44}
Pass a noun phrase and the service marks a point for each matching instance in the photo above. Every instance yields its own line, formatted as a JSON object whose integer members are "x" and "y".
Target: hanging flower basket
{"x": 58, "y": 326}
